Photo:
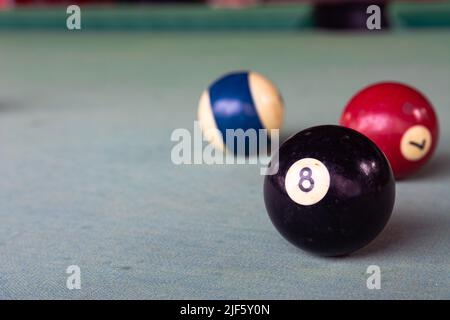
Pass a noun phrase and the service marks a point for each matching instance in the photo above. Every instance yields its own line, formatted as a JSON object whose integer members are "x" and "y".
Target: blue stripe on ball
{"x": 233, "y": 106}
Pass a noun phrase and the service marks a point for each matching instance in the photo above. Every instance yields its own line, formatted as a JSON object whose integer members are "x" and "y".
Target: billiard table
{"x": 86, "y": 176}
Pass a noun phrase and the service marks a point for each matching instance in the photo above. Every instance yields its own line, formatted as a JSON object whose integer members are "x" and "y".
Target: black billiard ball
{"x": 330, "y": 190}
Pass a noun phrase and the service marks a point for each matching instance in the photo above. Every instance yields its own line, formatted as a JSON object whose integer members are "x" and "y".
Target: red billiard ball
{"x": 399, "y": 119}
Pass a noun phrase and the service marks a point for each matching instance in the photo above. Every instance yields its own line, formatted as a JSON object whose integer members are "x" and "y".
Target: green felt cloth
{"x": 86, "y": 177}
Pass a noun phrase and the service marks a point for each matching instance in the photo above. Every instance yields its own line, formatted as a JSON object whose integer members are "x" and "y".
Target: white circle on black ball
{"x": 307, "y": 181}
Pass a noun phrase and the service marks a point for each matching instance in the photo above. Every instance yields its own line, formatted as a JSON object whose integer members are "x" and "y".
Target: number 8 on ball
{"x": 307, "y": 181}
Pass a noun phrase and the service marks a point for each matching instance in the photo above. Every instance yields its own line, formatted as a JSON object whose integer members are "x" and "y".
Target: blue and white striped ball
{"x": 239, "y": 100}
